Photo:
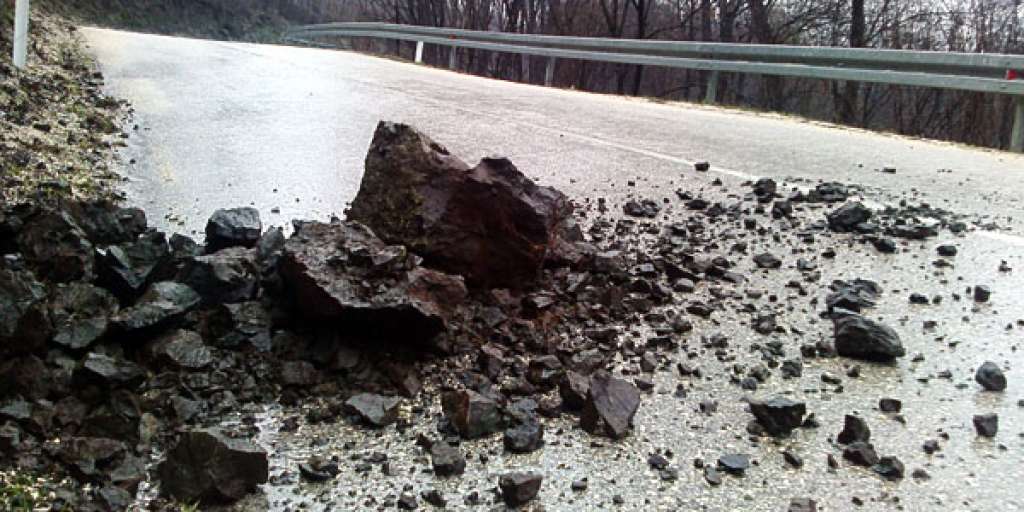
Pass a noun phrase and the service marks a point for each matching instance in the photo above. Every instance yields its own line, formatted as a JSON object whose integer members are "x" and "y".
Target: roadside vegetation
{"x": 58, "y": 131}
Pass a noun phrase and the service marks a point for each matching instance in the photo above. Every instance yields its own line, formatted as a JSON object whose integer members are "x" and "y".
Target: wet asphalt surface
{"x": 286, "y": 129}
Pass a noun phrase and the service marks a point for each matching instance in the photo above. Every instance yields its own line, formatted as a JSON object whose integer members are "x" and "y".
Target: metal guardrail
{"x": 987, "y": 73}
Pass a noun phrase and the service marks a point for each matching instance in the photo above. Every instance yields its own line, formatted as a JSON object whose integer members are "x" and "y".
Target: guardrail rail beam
{"x": 977, "y": 72}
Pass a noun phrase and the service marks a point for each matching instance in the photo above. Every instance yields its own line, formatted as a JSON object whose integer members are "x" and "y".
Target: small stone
{"x": 982, "y": 293}
{"x": 889, "y": 468}
{"x": 946, "y": 250}
{"x": 702, "y": 166}
{"x": 987, "y": 425}
{"x": 861, "y": 453}
{"x": 890, "y": 405}
{"x": 446, "y": 459}
{"x": 778, "y": 415}
{"x": 854, "y": 429}
{"x": 990, "y": 376}
{"x": 519, "y": 487}
{"x": 734, "y": 463}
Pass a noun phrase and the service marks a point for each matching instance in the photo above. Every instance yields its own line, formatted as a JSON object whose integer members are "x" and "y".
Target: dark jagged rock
{"x": 233, "y": 227}
{"x": 316, "y": 469}
{"x": 645, "y": 208}
{"x": 862, "y": 338}
{"x": 127, "y": 269}
{"x": 519, "y": 488}
{"x": 80, "y": 314}
{"x": 180, "y": 349}
{"x": 765, "y": 188}
{"x": 374, "y": 410}
{"x": 610, "y": 406}
{"x": 328, "y": 269}
{"x": 446, "y": 459}
{"x": 847, "y": 217}
{"x": 26, "y": 376}
{"x": 107, "y": 224}
{"x": 767, "y": 260}
{"x": 734, "y": 463}
{"x": 227, "y": 276}
{"x": 981, "y": 293}
{"x": 488, "y": 223}
{"x": 861, "y": 453}
{"x": 24, "y": 321}
{"x": 209, "y": 467}
{"x": 573, "y": 389}
{"x": 778, "y": 415}
{"x": 854, "y": 429}
{"x": 299, "y": 373}
{"x": 107, "y": 372}
{"x": 990, "y": 376}
{"x": 987, "y": 425}
{"x": 235, "y": 326}
{"x": 57, "y": 248}
{"x": 163, "y": 304}
{"x": 890, "y": 405}
{"x": 525, "y": 437}
{"x": 855, "y": 295}
{"x": 472, "y": 414}
{"x": 889, "y": 468}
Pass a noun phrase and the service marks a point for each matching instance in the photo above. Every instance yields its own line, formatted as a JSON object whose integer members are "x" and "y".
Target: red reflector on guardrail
{"x": 1012, "y": 74}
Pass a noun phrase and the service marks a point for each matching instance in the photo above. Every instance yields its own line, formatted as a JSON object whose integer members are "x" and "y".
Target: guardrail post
{"x": 452, "y": 58}
{"x": 711, "y": 95}
{"x": 20, "y": 33}
{"x": 549, "y": 73}
{"x": 419, "y": 52}
{"x": 1017, "y": 135}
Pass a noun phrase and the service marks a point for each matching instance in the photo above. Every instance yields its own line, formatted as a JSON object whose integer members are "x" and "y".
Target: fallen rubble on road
{"x": 470, "y": 284}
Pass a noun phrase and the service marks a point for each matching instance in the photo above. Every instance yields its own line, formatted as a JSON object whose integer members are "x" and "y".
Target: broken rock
{"x": 862, "y": 338}
{"x": 374, "y": 410}
{"x": 233, "y": 227}
{"x": 778, "y": 415}
{"x": 610, "y": 406}
{"x": 519, "y": 488}
{"x": 328, "y": 269}
{"x": 489, "y": 223}
{"x": 472, "y": 414}
{"x": 991, "y": 377}
{"x": 209, "y": 467}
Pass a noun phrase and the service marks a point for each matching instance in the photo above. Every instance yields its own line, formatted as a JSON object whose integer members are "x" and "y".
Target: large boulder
{"x": 127, "y": 269}
{"x": 81, "y": 314}
{"x": 232, "y": 228}
{"x": 226, "y": 276}
{"x": 862, "y": 338}
{"x": 163, "y": 303}
{"x": 489, "y": 223}
{"x": 209, "y": 467}
{"x": 341, "y": 271}
{"x": 57, "y": 248}
{"x": 24, "y": 320}
{"x": 610, "y": 406}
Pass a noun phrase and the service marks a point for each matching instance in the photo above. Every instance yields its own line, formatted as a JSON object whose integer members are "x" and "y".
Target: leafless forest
{"x": 936, "y": 25}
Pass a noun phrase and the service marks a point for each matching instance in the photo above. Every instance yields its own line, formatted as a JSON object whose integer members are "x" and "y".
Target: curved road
{"x": 285, "y": 129}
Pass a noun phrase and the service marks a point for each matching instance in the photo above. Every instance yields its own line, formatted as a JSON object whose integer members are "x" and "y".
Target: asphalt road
{"x": 285, "y": 130}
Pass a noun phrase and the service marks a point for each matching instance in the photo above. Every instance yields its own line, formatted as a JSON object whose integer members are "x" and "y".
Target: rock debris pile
{"x": 120, "y": 341}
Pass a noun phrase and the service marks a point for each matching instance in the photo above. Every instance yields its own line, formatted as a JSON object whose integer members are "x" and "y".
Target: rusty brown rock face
{"x": 489, "y": 223}
{"x": 342, "y": 271}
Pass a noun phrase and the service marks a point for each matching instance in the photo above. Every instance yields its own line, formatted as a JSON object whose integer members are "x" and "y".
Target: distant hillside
{"x": 250, "y": 20}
